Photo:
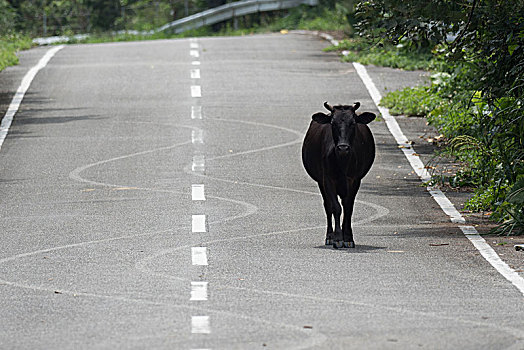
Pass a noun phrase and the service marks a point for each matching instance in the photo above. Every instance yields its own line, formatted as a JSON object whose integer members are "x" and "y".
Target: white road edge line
{"x": 200, "y": 325}
{"x": 469, "y": 231}
{"x": 21, "y": 91}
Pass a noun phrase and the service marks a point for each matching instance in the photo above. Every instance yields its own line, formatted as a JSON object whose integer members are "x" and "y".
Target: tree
{"x": 483, "y": 41}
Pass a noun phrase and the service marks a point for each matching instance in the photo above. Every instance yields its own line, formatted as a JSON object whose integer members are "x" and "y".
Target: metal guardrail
{"x": 231, "y": 11}
{"x": 208, "y": 17}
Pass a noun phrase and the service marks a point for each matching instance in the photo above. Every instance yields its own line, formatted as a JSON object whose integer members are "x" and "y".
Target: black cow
{"x": 337, "y": 152}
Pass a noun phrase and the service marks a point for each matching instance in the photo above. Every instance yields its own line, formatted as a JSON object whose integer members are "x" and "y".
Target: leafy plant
{"x": 481, "y": 105}
{"x": 514, "y": 204}
{"x": 9, "y": 46}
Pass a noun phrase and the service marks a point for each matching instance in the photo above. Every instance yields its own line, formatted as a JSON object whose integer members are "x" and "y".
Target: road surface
{"x": 152, "y": 196}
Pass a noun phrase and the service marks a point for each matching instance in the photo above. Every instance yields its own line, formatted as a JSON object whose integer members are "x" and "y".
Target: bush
{"x": 483, "y": 108}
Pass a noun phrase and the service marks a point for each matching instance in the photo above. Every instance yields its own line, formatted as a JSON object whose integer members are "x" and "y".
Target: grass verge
{"x": 399, "y": 56}
{"x": 9, "y": 46}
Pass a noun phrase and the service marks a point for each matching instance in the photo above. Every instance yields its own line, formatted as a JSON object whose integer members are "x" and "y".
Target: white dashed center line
{"x": 198, "y": 291}
{"x": 200, "y": 324}
{"x": 196, "y": 112}
{"x": 198, "y": 223}
{"x": 196, "y": 91}
{"x": 195, "y": 73}
{"x": 199, "y": 163}
{"x": 197, "y": 192}
{"x": 197, "y": 137}
{"x": 199, "y": 256}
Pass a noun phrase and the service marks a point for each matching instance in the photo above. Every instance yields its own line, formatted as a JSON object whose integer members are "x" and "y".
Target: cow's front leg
{"x": 348, "y": 202}
{"x": 331, "y": 201}
{"x": 329, "y": 215}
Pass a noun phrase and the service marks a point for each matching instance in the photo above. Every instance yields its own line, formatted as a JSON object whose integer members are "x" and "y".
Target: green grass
{"x": 415, "y": 101}
{"x": 9, "y": 46}
{"x": 358, "y": 50}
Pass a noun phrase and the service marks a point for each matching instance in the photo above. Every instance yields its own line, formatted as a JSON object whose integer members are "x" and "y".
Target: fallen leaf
{"x": 438, "y": 244}
{"x": 308, "y": 327}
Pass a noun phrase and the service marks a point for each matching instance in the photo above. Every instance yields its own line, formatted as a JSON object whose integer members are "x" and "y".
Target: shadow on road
{"x": 359, "y": 248}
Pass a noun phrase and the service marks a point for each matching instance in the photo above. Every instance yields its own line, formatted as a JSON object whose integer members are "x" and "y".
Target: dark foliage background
{"x": 482, "y": 42}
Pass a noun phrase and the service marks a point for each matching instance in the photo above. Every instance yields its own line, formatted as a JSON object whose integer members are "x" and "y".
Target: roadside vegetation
{"x": 10, "y": 44}
{"x": 474, "y": 48}
{"x": 476, "y": 99}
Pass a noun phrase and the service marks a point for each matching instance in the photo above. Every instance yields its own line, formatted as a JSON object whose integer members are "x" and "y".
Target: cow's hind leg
{"x": 329, "y": 216}
{"x": 348, "y": 202}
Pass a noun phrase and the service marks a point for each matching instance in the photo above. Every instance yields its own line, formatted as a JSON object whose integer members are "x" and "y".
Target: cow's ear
{"x": 321, "y": 118}
{"x": 365, "y": 117}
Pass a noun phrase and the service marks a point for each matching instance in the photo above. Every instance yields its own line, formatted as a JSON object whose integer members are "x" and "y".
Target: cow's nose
{"x": 343, "y": 147}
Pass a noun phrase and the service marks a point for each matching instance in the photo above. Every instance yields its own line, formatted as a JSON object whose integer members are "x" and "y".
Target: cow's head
{"x": 343, "y": 120}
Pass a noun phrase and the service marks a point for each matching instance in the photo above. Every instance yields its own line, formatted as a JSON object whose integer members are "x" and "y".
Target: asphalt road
{"x": 106, "y": 243}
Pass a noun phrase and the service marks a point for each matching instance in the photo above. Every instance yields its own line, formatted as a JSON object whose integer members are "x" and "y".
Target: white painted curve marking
{"x": 198, "y": 223}
{"x": 518, "y": 333}
{"x": 199, "y": 256}
{"x": 199, "y": 291}
{"x": 21, "y": 91}
{"x": 314, "y": 338}
{"x": 197, "y": 192}
{"x": 416, "y": 163}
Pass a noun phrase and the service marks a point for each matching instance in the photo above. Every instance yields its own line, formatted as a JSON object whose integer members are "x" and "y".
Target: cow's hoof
{"x": 349, "y": 244}
{"x": 338, "y": 244}
{"x": 329, "y": 241}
